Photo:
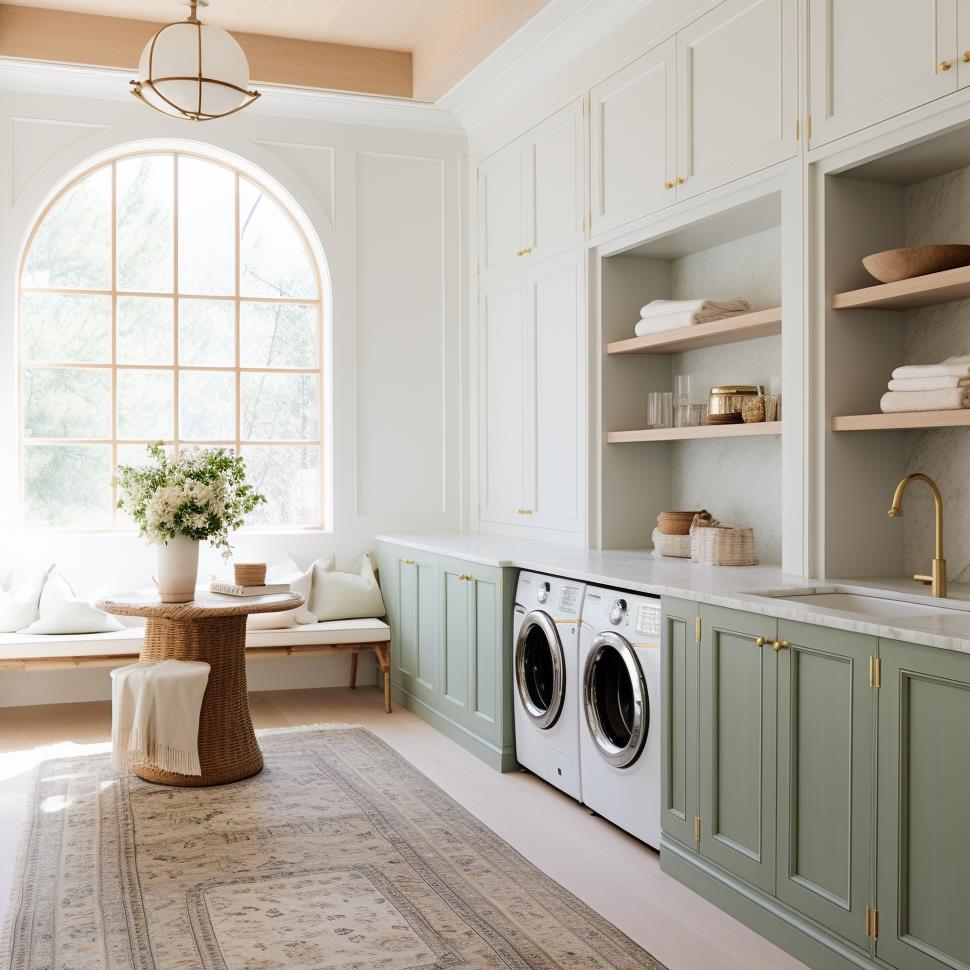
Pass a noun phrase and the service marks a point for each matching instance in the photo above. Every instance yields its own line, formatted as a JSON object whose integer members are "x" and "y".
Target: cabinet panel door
{"x": 555, "y": 394}
{"x": 923, "y": 853}
{"x": 633, "y": 140}
{"x": 737, "y": 744}
{"x": 826, "y": 711}
{"x": 414, "y": 657}
{"x": 500, "y": 216}
{"x": 679, "y": 660}
{"x": 456, "y": 619}
{"x": 861, "y": 75}
{"x": 555, "y": 182}
{"x": 484, "y": 660}
{"x": 737, "y": 92}
{"x": 501, "y": 403}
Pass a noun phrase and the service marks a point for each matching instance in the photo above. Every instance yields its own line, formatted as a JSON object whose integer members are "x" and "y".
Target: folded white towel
{"x": 155, "y": 707}
{"x": 709, "y": 309}
{"x": 932, "y": 370}
{"x": 951, "y": 399}
{"x": 670, "y": 321}
{"x": 928, "y": 383}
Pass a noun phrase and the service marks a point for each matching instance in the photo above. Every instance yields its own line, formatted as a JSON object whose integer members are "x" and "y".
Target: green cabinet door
{"x": 457, "y": 626}
{"x": 826, "y": 773}
{"x": 678, "y": 751}
{"x": 737, "y": 744}
{"x": 485, "y": 640}
{"x": 923, "y": 846}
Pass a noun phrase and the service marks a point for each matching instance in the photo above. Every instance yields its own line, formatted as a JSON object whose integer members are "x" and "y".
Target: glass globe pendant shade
{"x": 189, "y": 70}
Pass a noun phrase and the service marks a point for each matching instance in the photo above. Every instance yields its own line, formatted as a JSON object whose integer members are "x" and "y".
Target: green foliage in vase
{"x": 200, "y": 493}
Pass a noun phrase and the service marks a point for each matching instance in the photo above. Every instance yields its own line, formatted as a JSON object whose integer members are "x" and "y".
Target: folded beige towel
{"x": 950, "y": 399}
{"x": 928, "y": 383}
{"x": 677, "y": 321}
{"x": 945, "y": 369}
{"x": 702, "y": 310}
{"x": 155, "y": 707}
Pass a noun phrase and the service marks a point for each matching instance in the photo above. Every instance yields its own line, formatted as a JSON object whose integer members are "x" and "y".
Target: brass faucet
{"x": 938, "y": 579}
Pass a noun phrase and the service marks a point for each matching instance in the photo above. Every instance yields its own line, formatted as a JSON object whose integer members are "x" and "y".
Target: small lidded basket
{"x": 249, "y": 573}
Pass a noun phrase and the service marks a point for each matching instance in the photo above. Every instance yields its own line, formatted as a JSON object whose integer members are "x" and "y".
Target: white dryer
{"x": 545, "y": 637}
{"x": 619, "y": 656}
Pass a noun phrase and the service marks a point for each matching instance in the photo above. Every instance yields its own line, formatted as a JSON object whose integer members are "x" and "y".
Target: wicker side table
{"x": 211, "y": 628}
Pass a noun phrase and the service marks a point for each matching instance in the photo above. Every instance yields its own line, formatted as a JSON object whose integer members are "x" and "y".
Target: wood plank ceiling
{"x": 402, "y": 48}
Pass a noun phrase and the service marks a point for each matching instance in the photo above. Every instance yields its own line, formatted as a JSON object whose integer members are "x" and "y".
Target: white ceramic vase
{"x": 178, "y": 567}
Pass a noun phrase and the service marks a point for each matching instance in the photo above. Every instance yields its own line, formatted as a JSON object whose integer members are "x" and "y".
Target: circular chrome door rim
{"x": 618, "y": 757}
{"x": 542, "y": 718}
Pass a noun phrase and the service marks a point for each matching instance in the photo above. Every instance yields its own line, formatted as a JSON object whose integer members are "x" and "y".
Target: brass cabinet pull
{"x": 779, "y": 645}
{"x": 464, "y": 577}
{"x": 761, "y": 641}
{"x": 527, "y": 250}
{"x": 946, "y": 65}
{"x": 408, "y": 562}
{"x": 525, "y": 511}
{"x": 519, "y": 252}
{"x": 680, "y": 180}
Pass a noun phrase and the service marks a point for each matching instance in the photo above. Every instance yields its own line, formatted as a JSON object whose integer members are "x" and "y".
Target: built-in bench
{"x": 20, "y": 651}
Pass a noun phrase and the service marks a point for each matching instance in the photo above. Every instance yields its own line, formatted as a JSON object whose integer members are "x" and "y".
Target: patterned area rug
{"x": 339, "y": 856}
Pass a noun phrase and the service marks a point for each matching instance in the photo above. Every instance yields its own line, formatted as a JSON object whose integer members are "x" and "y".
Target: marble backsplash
{"x": 738, "y": 479}
{"x": 938, "y": 211}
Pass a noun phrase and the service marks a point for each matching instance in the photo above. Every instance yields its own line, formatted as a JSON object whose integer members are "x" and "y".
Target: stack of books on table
{"x": 234, "y": 589}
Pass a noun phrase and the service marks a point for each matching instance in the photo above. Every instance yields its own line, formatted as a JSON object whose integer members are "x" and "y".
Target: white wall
{"x": 381, "y": 184}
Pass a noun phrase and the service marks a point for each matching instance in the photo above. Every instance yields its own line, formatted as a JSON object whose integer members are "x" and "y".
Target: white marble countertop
{"x": 751, "y": 588}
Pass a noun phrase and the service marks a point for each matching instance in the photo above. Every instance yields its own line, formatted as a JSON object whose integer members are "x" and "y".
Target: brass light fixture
{"x": 193, "y": 71}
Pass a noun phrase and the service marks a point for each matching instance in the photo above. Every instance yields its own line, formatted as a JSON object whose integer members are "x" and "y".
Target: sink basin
{"x": 873, "y": 606}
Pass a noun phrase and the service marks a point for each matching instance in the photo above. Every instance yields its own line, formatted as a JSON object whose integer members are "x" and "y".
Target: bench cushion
{"x": 127, "y": 642}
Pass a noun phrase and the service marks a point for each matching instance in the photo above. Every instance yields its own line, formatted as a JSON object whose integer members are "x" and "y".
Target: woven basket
{"x": 250, "y": 573}
{"x": 677, "y": 547}
{"x": 723, "y": 546}
{"x": 675, "y": 523}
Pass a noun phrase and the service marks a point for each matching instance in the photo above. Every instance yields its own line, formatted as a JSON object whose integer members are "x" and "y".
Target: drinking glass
{"x": 659, "y": 409}
{"x": 682, "y": 400}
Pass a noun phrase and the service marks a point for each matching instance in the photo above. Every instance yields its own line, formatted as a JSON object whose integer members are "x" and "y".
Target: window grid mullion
{"x": 114, "y": 344}
{"x": 237, "y": 379}
{"x": 175, "y": 302}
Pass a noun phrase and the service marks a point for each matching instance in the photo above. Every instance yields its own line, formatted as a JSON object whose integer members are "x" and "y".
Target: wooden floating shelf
{"x": 695, "y": 433}
{"x": 902, "y": 420}
{"x": 944, "y": 287}
{"x": 744, "y": 326}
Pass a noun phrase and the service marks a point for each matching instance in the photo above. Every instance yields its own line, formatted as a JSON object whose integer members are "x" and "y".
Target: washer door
{"x": 615, "y": 700}
{"x": 540, "y": 669}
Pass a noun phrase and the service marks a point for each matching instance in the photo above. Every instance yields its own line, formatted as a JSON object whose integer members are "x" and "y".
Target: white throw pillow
{"x": 20, "y": 597}
{"x": 61, "y": 612}
{"x": 283, "y": 569}
{"x": 345, "y": 596}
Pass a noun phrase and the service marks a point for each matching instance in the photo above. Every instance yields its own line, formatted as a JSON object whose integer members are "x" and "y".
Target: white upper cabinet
{"x": 531, "y": 194}
{"x": 532, "y": 398}
{"x": 737, "y": 92}
{"x": 501, "y": 356}
{"x": 872, "y": 59}
{"x": 633, "y": 140}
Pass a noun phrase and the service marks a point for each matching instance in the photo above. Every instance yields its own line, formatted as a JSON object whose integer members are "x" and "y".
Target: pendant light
{"x": 193, "y": 71}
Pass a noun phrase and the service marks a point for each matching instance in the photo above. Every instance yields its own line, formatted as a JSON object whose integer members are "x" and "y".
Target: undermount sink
{"x": 874, "y": 606}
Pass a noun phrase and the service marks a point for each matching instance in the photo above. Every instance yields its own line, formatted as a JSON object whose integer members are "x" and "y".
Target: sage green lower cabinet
{"x": 825, "y": 776}
{"x": 737, "y": 744}
{"x": 922, "y": 808}
{"x": 451, "y": 630}
{"x": 678, "y": 751}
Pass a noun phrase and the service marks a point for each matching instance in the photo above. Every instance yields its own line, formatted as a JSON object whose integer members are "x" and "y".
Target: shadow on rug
{"x": 339, "y": 856}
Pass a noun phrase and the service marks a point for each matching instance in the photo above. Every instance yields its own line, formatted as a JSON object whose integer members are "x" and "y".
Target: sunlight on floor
{"x": 14, "y": 763}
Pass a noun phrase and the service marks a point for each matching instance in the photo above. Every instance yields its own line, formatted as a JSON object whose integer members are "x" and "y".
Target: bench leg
{"x": 353, "y": 670}
{"x": 383, "y": 654}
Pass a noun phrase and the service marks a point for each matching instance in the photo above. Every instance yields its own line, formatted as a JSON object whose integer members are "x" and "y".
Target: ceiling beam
{"x": 40, "y": 34}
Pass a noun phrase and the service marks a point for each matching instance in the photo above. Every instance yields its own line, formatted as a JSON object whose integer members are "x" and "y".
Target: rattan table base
{"x": 227, "y": 743}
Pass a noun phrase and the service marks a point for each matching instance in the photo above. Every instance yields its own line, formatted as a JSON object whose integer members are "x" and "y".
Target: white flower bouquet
{"x": 201, "y": 493}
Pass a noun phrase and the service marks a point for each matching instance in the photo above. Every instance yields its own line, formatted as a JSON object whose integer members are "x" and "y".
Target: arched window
{"x": 166, "y": 296}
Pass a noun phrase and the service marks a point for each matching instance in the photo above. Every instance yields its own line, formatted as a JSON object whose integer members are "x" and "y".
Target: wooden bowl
{"x": 903, "y": 264}
{"x": 675, "y": 523}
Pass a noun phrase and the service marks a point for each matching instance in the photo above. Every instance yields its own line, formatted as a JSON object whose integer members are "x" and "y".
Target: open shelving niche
{"x": 910, "y": 194}
{"x": 734, "y": 471}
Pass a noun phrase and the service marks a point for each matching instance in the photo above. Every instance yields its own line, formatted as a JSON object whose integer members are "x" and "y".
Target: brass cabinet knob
{"x": 965, "y": 57}
{"x": 408, "y": 562}
{"x": 668, "y": 185}
{"x": 945, "y": 65}
{"x": 519, "y": 252}
{"x": 527, "y": 250}
{"x": 681, "y": 180}
{"x": 779, "y": 645}
{"x": 761, "y": 641}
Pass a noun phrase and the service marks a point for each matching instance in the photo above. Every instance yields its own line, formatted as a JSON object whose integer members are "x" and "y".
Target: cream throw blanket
{"x": 155, "y": 708}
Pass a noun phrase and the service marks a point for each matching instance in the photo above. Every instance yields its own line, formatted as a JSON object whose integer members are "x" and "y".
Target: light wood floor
{"x": 613, "y": 873}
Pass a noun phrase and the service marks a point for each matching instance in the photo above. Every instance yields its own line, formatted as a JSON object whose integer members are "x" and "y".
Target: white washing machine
{"x": 619, "y": 656}
{"x": 545, "y": 637}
